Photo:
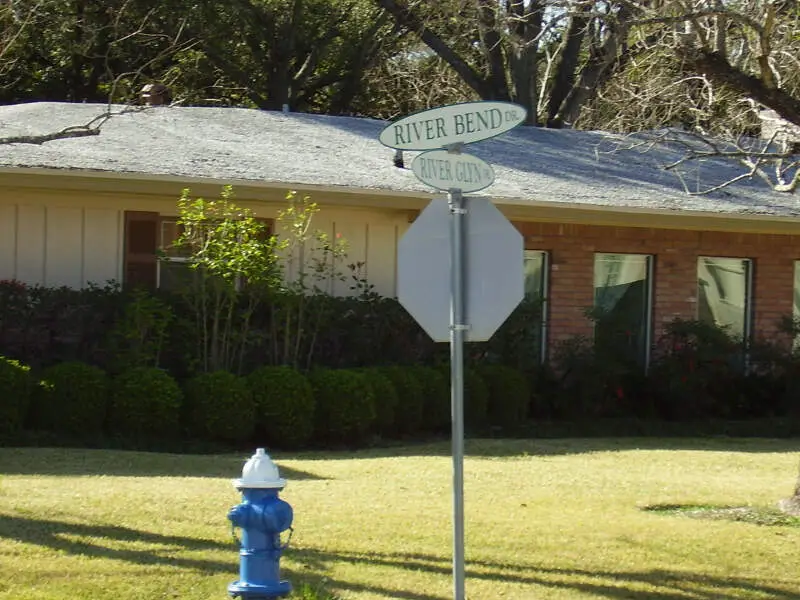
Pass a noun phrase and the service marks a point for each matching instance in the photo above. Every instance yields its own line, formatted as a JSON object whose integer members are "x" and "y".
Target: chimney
{"x": 154, "y": 94}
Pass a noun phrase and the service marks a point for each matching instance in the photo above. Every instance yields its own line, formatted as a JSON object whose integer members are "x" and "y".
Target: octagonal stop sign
{"x": 493, "y": 269}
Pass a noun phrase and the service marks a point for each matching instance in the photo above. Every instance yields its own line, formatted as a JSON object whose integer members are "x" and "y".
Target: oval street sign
{"x": 445, "y": 171}
{"x": 455, "y": 123}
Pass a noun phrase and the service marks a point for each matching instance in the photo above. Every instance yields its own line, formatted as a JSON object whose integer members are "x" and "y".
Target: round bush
{"x": 15, "y": 383}
{"x": 411, "y": 401}
{"x": 219, "y": 407}
{"x": 386, "y": 399}
{"x": 72, "y": 398}
{"x": 345, "y": 404}
{"x": 509, "y": 395}
{"x": 144, "y": 401}
{"x": 284, "y": 404}
{"x": 476, "y": 398}
{"x": 436, "y": 395}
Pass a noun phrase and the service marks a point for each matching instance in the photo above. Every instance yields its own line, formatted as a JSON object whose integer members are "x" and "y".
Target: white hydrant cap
{"x": 260, "y": 472}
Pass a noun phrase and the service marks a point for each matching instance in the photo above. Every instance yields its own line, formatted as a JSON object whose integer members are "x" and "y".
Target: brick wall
{"x": 572, "y": 249}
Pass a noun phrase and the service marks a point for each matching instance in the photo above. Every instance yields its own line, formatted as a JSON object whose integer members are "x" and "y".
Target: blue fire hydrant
{"x": 262, "y": 516}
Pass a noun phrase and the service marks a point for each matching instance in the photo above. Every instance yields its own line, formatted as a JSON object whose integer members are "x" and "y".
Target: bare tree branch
{"x": 752, "y": 154}
{"x": 75, "y": 131}
{"x": 716, "y": 68}
{"x": 404, "y": 15}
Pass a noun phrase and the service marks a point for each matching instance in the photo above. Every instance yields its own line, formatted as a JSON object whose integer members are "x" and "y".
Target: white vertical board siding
{"x": 322, "y": 222}
{"x": 102, "y": 244}
{"x": 64, "y": 247}
{"x": 381, "y": 267}
{"x": 30, "y": 246}
{"x": 8, "y": 242}
{"x": 353, "y": 231}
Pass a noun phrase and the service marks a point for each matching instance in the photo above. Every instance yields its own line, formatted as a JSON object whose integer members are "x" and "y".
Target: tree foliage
{"x": 83, "y": 51}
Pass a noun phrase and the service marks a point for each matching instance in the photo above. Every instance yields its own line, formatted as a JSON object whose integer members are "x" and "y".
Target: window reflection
{"x": 535, "y": 271}
{"x": 723, "y": 293}
{"x": 622, "y": 300}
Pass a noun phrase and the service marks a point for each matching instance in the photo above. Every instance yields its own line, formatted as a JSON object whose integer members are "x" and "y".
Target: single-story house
{"x": 604, "y": 227}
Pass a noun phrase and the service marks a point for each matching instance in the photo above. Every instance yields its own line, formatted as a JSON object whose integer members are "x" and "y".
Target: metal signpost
{"x": 459, "y": 282}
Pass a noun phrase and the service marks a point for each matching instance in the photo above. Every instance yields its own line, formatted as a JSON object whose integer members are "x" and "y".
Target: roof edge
{"x": 517, "y": 209}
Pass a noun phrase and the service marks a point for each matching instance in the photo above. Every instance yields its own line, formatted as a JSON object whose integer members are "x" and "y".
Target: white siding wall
{"x": 59, "y": 246}
{"x": 8, "y": 241}
{"x": 56, "y": 244}
{"x": 63, "y": 247}
{"x": 102, "y": 245}
{"x": 31, "y": 235}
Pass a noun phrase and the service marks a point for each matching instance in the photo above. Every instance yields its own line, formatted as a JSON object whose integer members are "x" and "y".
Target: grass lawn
{"x": 555, "y": 519}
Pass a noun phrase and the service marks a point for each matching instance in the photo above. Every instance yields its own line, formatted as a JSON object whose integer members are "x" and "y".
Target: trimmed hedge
{"x": 145, "y": 401}
{"x": 411, "y": 399}
{"x": 15, "y": 385}
{"x": 386, "y": 399}
{"x": 72, "y": 398}
{"x": 219, "y": 407}
{"x": 509, "y": 396}
{"x": 284, "y": 405}
{"x": 476, "y": 398}
{"x": 436, "y": 395}
{"x": 345, "y": 404}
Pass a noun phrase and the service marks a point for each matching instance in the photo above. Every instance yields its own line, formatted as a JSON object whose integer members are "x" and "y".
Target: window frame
{"x": 795, "y": 303}
{"x": 747, "y": 325}
{"x": 162, "y": 248}
{"x": 164, "y": 257}
{"x": 545, "y": 296}
{"x": 649, "y": 317}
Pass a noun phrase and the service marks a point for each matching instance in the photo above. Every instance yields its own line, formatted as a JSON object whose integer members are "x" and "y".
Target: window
{"x": 140, "y": 266}
{"x": 535, "y": 267}
{"x": 796, "y": 303}
{"x": 724, "y": 293}
{"x": 623, "y": 304}
{"x": 173, "y": 268}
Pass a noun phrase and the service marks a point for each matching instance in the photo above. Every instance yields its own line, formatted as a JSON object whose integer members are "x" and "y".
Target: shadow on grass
{"x": 95, "y": 541}
{"x": 66, "y": 462}
{"x": 631, "y": 585}
{"x": 752, "y": 515}
{"x": 518, "y": 447}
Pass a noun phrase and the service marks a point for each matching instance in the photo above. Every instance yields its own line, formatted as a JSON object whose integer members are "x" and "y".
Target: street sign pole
{"x": 457, "y": 328}
{"x": 488, "y": 239}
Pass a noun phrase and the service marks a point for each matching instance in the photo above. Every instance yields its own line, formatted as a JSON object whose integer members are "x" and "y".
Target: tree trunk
{"x": 493, "y": 50}
{"x": 564, "y": 79}
{"x": 76, "y": 84}
{"x": 596, "y": 72}
{"x": 526, "y": 26}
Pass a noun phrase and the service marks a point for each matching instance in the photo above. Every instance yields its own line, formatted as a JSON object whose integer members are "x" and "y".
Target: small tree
{"x": 302, "y": 302}
{"x": 230, "y": 252}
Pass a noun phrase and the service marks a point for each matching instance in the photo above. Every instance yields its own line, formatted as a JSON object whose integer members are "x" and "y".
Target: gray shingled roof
{"x": 294, "y": 149}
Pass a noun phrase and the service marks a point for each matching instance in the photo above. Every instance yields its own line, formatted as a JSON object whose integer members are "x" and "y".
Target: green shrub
{"x": 436, "y": 395}
{"x": 509, "y": 396}
{"x": 72, "y": 398}
{"x": 476, "y": 398}
{"x": 411, "y": 401}
{"x": 15, "y": 392}
{"x": 345, "y": 404}
{"x": 219, "y": 407}
{"x": 284, "y": 404}
{"x": 386, "y": 399}
{"x": 144, "y": 401}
